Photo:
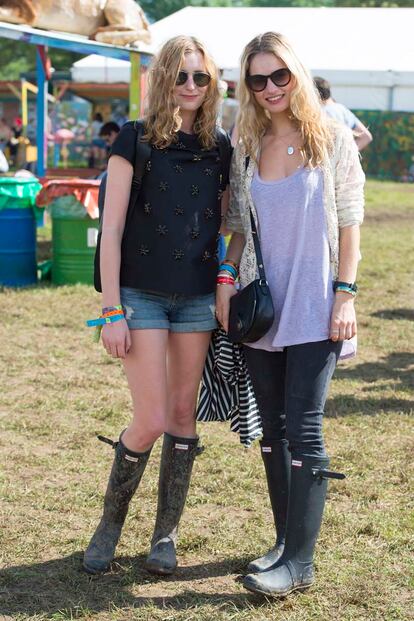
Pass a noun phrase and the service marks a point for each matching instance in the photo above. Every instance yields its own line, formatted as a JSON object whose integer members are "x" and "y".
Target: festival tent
{"x": 101, "y": 69}
{"x": 366, "y": 53}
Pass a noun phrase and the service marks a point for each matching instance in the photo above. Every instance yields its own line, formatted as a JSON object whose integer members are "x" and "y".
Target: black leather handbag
{"x": 251, "y": 309}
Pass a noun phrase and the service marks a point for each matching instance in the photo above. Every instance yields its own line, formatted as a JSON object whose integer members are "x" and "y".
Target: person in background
{"x": 342, "y": 114}
{"x": 158, "y": 280}
{"x": 13, "y": 144}
{"x": 98, "y": 151}
{"x": 298, "y": 173}
{"x": 109, "y": 132}
{"x": 5, "y": 134}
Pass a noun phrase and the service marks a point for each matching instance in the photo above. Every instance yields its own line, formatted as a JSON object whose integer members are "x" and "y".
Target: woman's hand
{"x": 343, "y": 319}
{"x": 223, "y": 295}
{"x": 116, "y": 338}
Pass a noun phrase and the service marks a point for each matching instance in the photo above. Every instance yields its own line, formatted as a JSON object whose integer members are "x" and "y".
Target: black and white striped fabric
{"x": 226, "y": 390}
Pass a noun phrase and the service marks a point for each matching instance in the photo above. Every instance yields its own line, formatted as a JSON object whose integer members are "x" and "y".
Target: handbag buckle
{"x": 263, "y": 282}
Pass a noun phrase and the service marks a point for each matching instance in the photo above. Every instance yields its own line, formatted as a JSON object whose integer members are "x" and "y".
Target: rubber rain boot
{"x": 177, "y": 461}
{"x": 277, "y": 462}
{"x": 295, "y": 571}
{"x": 127, "y": 470}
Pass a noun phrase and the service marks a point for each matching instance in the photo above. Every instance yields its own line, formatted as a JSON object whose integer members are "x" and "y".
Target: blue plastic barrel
{"x": 17, "y": 247}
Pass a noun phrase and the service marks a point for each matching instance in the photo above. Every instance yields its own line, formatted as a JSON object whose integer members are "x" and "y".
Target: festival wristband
{"x": 101, "y": 321}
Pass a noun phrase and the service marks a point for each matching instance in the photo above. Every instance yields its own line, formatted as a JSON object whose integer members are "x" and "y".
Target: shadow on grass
{"x": 393, "y": 372}
{"x": 395, "y": 313}
{"x": 60, "y": 585}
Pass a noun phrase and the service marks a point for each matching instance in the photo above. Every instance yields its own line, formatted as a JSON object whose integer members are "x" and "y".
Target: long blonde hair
{"x": 162, "y": 118}
{"x": 305, "y": 107}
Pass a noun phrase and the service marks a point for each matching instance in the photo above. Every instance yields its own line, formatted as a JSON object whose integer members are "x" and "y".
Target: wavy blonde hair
{"x": 305, "y": 107}
{"x": 162, "y": 118}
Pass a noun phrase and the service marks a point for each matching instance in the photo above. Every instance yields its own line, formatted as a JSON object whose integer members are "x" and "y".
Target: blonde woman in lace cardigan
{"x": 300, "y": 175}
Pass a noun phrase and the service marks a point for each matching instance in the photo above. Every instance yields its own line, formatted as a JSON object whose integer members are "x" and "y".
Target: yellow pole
{"x": 135, "y": 85}
{"x": 25, "y": 115}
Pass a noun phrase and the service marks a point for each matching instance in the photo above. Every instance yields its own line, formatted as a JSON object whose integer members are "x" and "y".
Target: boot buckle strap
{"x": 323, "y": 473}
{"x": 108, "y": 441}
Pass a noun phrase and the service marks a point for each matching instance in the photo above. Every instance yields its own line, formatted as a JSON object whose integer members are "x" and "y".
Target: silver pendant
{"x": 290, "y": 150}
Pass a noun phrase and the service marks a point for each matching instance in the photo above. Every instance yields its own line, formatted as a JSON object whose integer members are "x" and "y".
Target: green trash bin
{"x": 74, "y": 235}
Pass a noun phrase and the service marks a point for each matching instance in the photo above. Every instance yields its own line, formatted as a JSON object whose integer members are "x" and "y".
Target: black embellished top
{"x": 171, "y": 241}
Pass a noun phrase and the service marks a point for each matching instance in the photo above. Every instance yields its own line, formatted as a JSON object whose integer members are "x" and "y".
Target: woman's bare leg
{"x": 145, "y": 368}
{"x": 185, "y": 363}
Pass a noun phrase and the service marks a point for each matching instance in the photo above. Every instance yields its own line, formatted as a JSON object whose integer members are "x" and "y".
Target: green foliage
{"x": 162, "y": 8}
{"x": 18, "y": 57}
{"x": 389, "y": 155}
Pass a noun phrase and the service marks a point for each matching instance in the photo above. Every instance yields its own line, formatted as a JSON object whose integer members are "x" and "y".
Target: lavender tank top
{"x": 295, "y": 247}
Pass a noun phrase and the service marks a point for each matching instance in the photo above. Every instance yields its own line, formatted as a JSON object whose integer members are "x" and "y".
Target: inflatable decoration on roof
{"x": 118, "y": 22}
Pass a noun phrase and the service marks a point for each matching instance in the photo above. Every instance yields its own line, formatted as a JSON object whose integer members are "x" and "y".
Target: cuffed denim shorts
{"x": 149, "y": 310}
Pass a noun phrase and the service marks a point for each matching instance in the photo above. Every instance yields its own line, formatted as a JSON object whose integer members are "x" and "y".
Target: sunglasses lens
{"x": 181, "y": 78}
{"x": 201, "y": 79}
{"x": 281, "y": 77}
{"x": 256, "y": 83}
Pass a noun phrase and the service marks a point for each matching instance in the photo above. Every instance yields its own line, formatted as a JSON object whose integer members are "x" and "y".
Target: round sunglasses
{"x": 200, "y": 78}
{"x": 258, "y": 82}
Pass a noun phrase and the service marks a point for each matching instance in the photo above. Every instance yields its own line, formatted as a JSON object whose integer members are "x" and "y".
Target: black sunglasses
{"x": 200, "y": 78}
{"x": 257, "y": 83}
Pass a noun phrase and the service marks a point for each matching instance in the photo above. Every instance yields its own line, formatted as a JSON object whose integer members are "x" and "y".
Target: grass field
{"x": 58, "y": 390}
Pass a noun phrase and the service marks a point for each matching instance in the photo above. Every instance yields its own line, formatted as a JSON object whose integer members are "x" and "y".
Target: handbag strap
{"x": 257, "y": 249}
{"x": 256, "y": 242}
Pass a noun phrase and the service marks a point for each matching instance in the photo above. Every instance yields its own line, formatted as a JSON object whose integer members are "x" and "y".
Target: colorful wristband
{"x": 101, "y": 321}
{"x": 107, "y": 309}
{"x": 346, "y": 290}
{"x": 228, "y": 268}
{"x": 344, "y": 286}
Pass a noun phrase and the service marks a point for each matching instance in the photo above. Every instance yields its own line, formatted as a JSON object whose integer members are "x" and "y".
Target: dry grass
{"x": 59, "y": 390}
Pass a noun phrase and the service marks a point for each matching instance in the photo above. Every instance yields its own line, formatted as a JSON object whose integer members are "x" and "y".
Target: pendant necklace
{"x": 290, "y": 149}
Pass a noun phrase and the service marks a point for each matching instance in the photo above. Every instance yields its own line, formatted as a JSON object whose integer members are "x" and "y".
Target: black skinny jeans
{"x": 291, "y": 389}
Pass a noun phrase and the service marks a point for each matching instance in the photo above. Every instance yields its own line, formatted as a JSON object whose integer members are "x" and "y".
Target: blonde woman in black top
{"x": 158, "y": 279}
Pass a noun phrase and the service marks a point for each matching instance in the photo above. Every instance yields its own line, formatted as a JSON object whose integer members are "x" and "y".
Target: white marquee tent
{"x": 366, "y": 54}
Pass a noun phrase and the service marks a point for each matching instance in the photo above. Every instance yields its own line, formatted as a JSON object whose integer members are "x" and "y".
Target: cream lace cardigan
{"x": 343, "y": 198}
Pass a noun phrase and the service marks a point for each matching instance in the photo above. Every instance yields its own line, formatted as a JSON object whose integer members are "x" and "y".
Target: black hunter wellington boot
{"x": 294, "y": 571}
{"x": 127, "y": 470}
{"x": 276, "y": 460}
{"x": 177, "y": 461}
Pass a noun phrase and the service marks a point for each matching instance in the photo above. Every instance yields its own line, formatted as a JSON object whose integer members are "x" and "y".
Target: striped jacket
{"x": 226, "y": 392}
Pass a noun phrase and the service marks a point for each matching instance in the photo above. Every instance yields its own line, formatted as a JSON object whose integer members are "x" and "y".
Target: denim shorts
{"x": 145, "y": 310}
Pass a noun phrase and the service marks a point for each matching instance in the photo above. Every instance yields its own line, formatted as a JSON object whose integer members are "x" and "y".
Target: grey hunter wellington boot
{"x": 294, "y": 571}
{"x": 277, "y": 463}
{"x": 127, "y": 470}
{"x": 177, "y": 461}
